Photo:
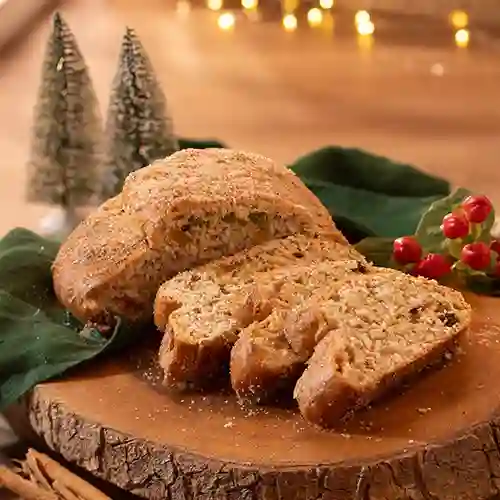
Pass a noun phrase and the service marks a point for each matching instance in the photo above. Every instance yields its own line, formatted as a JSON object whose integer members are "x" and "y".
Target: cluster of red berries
{"x": 463, "y": 223}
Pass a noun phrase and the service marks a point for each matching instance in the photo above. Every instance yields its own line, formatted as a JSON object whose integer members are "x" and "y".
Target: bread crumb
{"x": 423, "y": 411}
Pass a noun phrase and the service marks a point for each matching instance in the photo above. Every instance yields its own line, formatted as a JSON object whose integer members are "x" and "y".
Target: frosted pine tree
{"x": 63, "y": 169}
{"x": 139, "y": 129}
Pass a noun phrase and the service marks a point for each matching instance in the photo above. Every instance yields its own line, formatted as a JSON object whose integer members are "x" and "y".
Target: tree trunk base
{"x": 438, "y": 440}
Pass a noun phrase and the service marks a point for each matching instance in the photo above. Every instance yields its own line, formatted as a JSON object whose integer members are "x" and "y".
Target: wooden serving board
{"x": 438, "y": 440}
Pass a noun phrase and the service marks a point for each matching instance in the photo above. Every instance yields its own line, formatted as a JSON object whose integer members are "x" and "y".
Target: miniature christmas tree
{"x": 63, "y": 169}
{"x": 138, "y": 129}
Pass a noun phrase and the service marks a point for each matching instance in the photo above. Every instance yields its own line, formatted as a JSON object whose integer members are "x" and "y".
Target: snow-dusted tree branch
{"x": 63, "y": 168}
{"x": 139, "y": 129}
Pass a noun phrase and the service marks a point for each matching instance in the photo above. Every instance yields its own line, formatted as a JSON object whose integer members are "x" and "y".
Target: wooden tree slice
{"x": 438, "y": 440}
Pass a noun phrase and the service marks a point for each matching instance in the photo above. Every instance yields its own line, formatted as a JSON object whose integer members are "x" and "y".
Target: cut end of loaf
{"x": 380, "y": 343}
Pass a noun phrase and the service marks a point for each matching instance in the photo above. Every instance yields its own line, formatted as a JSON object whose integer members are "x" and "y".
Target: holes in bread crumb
{"x": 361, "y": 268}
{"x": 298, "y": 255}
{"x": 449, "y": 319}
{"x": 258, "y": 218}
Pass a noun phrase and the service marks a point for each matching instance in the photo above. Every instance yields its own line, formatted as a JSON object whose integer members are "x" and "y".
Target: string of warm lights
{"x": 319, "y": 16}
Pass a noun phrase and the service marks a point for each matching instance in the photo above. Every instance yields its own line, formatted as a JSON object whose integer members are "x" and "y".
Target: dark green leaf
{"x": 483, "y": 285}
{"x": 377, "y": 250}
{"x": 38, "y": 338}
{"x": 371, "y": 213}
{"x": 368, "y": 172}
{"x": 185, "y": 143}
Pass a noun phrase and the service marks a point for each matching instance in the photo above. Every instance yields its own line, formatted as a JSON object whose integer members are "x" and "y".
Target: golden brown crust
{"x": 124, "y": 246}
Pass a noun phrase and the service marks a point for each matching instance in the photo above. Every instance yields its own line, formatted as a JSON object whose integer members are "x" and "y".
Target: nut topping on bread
{"x": 192, "y": 207}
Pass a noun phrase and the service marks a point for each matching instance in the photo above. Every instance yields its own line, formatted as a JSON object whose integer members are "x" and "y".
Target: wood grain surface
{"x": 437, "y": 440}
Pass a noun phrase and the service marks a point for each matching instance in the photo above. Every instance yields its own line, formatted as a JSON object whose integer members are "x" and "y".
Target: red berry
{"x": 433, "y": 266}
{"x": 406, "y": 250}
{"x": 455, "y": 226}
{"x": 477, "y": 208}
{"x": 476, "y": 255}
{"x": 495, "y": 246}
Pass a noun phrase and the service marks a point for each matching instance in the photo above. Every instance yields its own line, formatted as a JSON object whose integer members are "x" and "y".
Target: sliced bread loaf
{"x": 390, "y": 327}
{"x": 270, "y": 355}
{"x": 190, "y": 208}
{"x": 203, "y": 318}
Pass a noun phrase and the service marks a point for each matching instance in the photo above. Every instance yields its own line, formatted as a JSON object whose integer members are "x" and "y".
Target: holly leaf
{"x": 428, "y": 232}
{"x": 377, "y": 250}
{"x": 483, "y": 285}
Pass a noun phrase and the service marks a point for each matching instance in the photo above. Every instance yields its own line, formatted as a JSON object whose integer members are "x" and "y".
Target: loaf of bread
{"x": 384, "y": 330}
{"x": 202, "y": 310}
{"x": 192, "y": 207}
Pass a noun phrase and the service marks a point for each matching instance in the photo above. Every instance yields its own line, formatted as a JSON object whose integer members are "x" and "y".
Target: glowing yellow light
{"x": 366, "y": 28}
{"x": 226, "y": 21}
{"x": 214, "y": 4}
{"x": 249, "y": 4}
{"x": 362, "y": 17}
{"x": 459, "y": 19}
{"x": 314, "y": 17}
{"x": 462, "y": 38}
{"x": 326, "y": 4}
{"x": 289, "y": 22}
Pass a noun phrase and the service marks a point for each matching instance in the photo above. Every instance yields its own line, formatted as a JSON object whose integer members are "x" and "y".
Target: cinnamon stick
{"x": 22, "y": 487}
{"x": 65, "y": 492}
{"x": 34, "y": 471}
{"x": 58, "y": 473}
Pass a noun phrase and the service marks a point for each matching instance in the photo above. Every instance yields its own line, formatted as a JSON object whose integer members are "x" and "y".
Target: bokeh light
{"x": 462, "y": 38}
{"x": 226, "y": 21}
{"x": 289, "y": 22}
{"x": 214, "y": 4}
{"x": 459, "y": 19}
{"x": 326, "y": 4}
{"x": 362, "y": 17}
{"x": 249, "y": 4}
{"x": 314, "y": 17}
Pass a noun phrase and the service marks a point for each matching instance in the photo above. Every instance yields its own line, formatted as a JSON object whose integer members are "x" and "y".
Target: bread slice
{"x": 212, "y": 281}
{"x": 204, "y": 313}
{"x": 190, "y": 208}
{"x": 390, "y": 327}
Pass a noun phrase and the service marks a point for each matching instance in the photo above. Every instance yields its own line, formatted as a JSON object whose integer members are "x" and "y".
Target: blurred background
{"x": 417, "y": 81}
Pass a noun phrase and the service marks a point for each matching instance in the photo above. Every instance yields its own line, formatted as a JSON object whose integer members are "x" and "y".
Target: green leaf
{"x": 483, "y": 285}
{"x": 368, "y": 172}
{"x": 429, "y": 232}
{"x": 377, "y": 250}
{"x": 371, "y": 213}
{"x": 39, "y": 339}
